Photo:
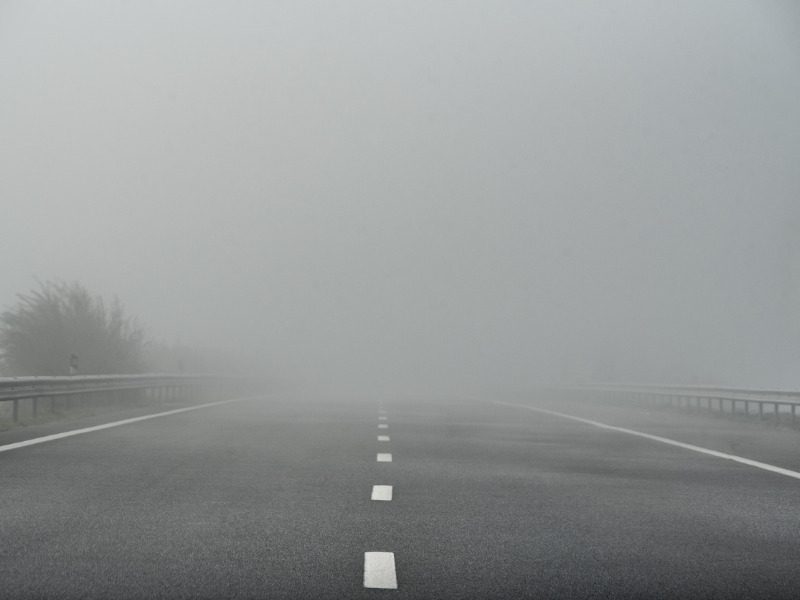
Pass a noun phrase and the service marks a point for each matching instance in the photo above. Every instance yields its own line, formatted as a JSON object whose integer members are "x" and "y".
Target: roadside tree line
{"x": 61, "y": 328}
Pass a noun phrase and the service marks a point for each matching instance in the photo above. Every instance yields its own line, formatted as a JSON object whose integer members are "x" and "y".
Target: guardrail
{"x": 114, "y": 387}
{"x": 781, "y": 405}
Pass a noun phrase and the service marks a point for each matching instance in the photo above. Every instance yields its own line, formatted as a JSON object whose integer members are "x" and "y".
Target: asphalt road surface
{"x": 276, "y": 498}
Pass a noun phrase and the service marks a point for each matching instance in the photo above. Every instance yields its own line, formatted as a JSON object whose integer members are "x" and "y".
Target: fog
{"x": 415, "y": 197}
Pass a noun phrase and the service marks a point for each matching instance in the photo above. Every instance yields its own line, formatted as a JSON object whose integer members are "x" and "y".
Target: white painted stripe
{"x": 663, "y": 440}
{"x": 383, "y": 438}
{"x": 381, "y": 412}
{"x": 382, "y": 492}
{"x": 384, "y": 457}
{"x": 381, "y": 418}
{"x": 383, "y": 426}
{"x": 66, "y": 434}
{"x": 379, "y": 571}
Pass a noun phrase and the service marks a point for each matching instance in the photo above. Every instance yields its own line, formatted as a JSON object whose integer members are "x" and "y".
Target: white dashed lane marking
{"x": 382, "y": 492}
{"x": 379, "y": 570}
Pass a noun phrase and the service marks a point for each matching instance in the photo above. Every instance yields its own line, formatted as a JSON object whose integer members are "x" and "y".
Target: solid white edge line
{"x": 383, "y": 438}
{"x": 66, "y": 434}
{"x": 663, "y": 440}
{"x": 382, "y": 493}
{"x": 384, "y": 457}
{"x": 379, "y": 570}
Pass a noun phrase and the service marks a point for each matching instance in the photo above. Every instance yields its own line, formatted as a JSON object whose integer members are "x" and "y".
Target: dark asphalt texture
{"x": 270, "y": 498}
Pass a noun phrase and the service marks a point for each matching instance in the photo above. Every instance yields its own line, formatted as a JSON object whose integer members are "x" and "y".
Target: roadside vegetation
{"x": 60, "y": 325}
{"x": 62, "y": 328}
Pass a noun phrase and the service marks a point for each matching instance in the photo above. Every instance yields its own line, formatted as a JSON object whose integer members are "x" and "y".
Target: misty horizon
{"x": 420, "y": 196}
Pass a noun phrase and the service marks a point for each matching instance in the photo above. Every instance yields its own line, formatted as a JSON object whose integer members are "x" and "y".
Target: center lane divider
{"x": 379, "y": 570}
{"x": 382, "y": 493}
{"x": 379, "y": 567}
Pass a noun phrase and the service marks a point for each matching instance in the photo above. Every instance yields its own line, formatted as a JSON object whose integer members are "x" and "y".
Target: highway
{"x": 273, "y": 498}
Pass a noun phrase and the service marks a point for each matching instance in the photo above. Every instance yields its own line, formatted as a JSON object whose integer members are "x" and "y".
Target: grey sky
{"x": 417, "y": 194}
